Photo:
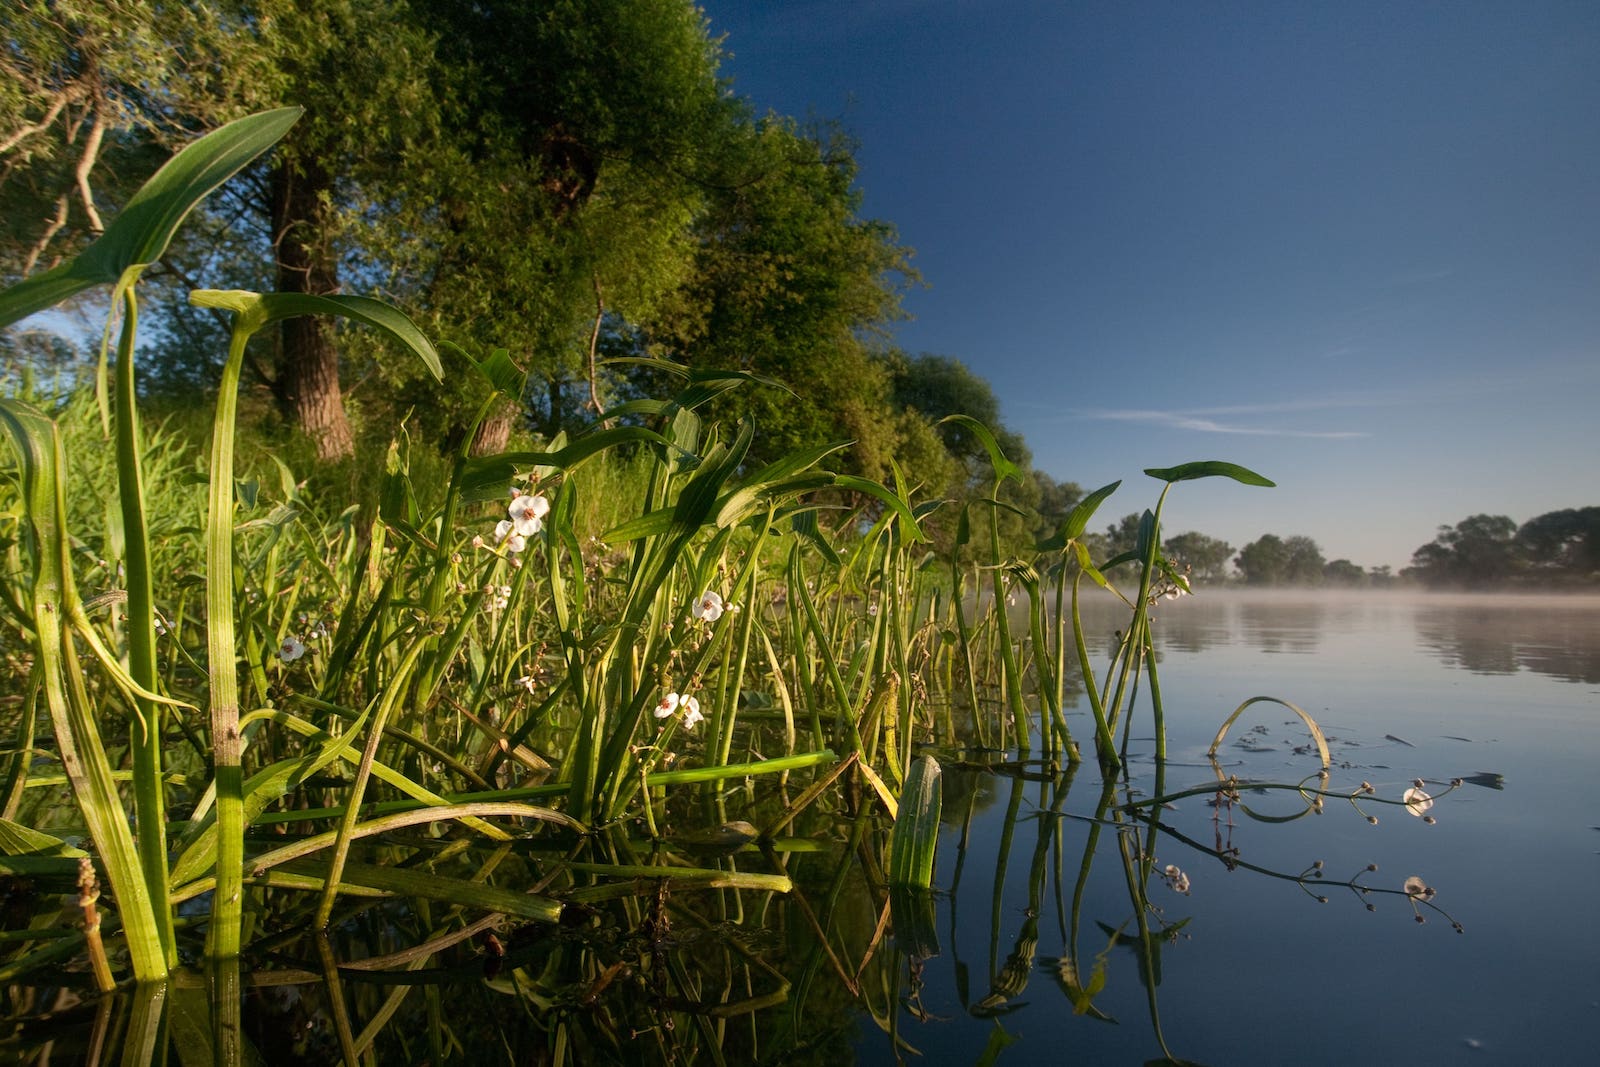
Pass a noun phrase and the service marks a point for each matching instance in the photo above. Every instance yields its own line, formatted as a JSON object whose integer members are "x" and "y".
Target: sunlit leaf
{"x": 143, "y": 229}
{"x": 1003, "y": 467}
{"x": 1078, "y": 518}
{"x": 1210, "y": 468}
{"x": 914, "y": 840}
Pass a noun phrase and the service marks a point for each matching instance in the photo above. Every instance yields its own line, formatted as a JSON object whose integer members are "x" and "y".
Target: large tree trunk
{"x": 307, "y": 384}
{"x": 494, "y": 432}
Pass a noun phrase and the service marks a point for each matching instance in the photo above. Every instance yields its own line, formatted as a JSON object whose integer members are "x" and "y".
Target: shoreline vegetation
{"x": 632, "y": 570}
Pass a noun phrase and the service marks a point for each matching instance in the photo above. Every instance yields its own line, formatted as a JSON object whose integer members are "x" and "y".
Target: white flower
{"x": 709, "y": 607}
{"x": 1417, "y": 889}
{"x": 1416, "y": 800}
{"x": 527, "y": 682}
{"x": 291, "y": 649}
{"x": 505, "y": 533}
{"x": 528, "y": 512}
{"x": 670, "y": 705}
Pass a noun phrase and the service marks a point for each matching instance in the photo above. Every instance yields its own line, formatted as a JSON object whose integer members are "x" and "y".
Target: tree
{"x": 1342, "y": 572}
{"x": 93, "y": 94}
{"x": 1477, "y": 552}
{"x": 1264, "y": 561}
{"x": 789, "y": 282}
{"x": 1561, "y": 544}
{"x": 560, "y": 215}
{"x": 1206, "y": 557}
{"x": 1304, "y": 565}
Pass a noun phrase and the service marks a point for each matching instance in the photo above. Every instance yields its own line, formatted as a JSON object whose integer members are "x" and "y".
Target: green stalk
{"x": 1155, "y": 696}
{"x": 964, "y": 637}
{"x": 83, "y": 756}
{"x": 393, "y": 692}
{"x": 227, "y": 907}
{"x": 146, "y": 732}
{"x": 728, "y": 712}
{"x": 1132, "y": 646}
{"x": 1105, "y": 744}
{"x": 1011, "y": 675}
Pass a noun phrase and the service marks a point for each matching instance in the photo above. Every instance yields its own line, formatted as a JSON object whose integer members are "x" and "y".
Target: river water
{"x": 1287, "y": 948}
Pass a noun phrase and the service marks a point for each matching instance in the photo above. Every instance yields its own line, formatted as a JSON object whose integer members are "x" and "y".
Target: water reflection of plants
{"x": 654, "y": 796}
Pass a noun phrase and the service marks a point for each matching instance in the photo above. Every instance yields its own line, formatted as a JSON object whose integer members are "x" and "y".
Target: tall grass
{"x": 552, "y": 646}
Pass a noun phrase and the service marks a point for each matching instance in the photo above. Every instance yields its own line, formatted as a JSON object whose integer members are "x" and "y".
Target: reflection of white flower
{"x": 291, "y": 649}
{"x": 1176, "y": 879}
{"x": 528, "y": 512}
{"x": 1415, "y": 887}
{"x": 1416, "y": 800}
{"x": 709, "y": 607}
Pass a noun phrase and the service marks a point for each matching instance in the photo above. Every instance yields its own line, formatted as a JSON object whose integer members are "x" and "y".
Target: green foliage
{"x": 1273, "y": 560}
{"x": 1207, "y": 557}
{"x": 91, "y": 91}
{"x": 1560, "y": 548}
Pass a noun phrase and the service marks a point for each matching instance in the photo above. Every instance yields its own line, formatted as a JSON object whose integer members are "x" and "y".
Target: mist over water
{"x": 1499, "y": 691}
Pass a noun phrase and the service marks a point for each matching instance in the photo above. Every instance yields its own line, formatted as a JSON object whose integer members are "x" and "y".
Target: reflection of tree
{"x": 1560, "y": 641}
{"x": 1296, "y": 626}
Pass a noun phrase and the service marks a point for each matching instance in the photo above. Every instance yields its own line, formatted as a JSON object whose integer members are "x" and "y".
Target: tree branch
{"x": 86, "y": 162}
{"x": 62, "y": 99}
{"x": 50, "y": 232}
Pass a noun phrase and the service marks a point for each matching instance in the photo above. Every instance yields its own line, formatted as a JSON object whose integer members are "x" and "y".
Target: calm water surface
{"x": 1501, "y": 691}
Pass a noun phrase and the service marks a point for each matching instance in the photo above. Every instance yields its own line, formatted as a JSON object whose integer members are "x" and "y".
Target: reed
{"x": 509, "y": 665}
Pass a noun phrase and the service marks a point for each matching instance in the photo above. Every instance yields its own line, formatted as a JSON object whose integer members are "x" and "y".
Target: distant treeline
{"x": 1557, "y": 549}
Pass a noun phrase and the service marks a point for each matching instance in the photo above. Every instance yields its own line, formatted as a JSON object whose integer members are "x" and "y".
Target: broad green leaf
{"x": 1147, "y": 535}
{"x": 1078, "y": 519}
{"x": 418, "y": 883}
{"x": 1003, "y": 467}
{"x": 915, "y": 837}
{"x": 804, "y": 524}
{"x": 486, "y": 477}
{"x": 140, "y": 233}
{"x": 261, "y": 309}
{"x": 871, "y": 488}
{"x": 502, "y": 373}
{"x": 737, "y": 506}
{"x": 1087, "y": 566}
{"x": 19, "y": 840}
{"x": 1210, "y": 468}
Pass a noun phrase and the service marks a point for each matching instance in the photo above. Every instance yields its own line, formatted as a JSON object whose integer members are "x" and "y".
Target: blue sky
{"x": 1354, "y": 246}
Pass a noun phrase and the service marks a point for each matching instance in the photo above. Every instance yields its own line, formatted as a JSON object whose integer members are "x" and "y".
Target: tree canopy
{"x": 1492, "y": 551}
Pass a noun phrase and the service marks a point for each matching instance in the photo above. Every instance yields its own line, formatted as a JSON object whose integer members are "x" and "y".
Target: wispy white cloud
{"x": 1201, "y": 421}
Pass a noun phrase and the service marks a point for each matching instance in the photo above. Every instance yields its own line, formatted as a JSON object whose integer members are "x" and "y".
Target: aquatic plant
{"x": 465, "y": 699}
